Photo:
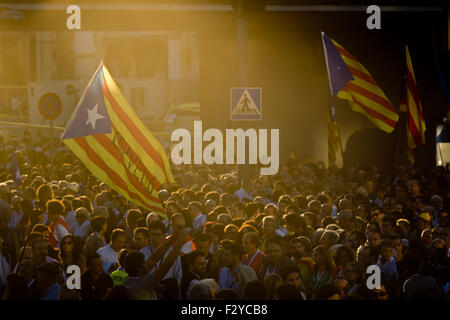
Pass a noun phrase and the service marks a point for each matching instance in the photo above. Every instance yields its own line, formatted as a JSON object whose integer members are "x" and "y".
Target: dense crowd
{"x": 306, "y": 233}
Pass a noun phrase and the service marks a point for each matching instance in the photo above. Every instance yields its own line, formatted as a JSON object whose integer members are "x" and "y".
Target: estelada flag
{"x": 106, "y": 134}
{"x": 415, "y": 130}
{"x": 359, "y": 88}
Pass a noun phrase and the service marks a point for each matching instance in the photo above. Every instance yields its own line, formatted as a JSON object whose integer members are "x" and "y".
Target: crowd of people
{"x": 307, "y": 233}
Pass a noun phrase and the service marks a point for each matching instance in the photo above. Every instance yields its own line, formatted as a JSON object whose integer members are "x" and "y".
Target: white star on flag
{"x": 93, "y": 116}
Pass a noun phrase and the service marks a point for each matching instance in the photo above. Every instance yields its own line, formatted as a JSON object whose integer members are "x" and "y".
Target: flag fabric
{"x": 15, "y": 171}
{"x": 106, "y": 134}
{"x": 362, "y": 92}
{"x": 333, "y": 139}
{"x": 415, "y": 129}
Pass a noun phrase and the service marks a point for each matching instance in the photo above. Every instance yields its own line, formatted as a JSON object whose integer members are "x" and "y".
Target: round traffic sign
{"x": 50, "y": 106}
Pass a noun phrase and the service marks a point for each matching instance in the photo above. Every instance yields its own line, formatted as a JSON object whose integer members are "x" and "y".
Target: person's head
{"x": 397, "y": 244}
{"x": 118, "y": 239}
{"x": 231, "y": 232}
{"x": 178, "y": 222}
{"x": 291, "y": 275}
{"x": 352, "y": 272}
{"x": 27, "y": 268}
{"x": 250, "y": 242}
{"x": 202, "y": 244}
{"x": 232, "y": 253}
{"x": 42, "y": 229}
{"x": 387, "y": 225}
{"x": 121, "y": 257}
{"x": 294, "y": 222}
{"x": 55, "y": 209}
{"x": 81, "y": 215}
{"x": 269, "y": 225}
{"x": 101, "y": 211}
{"x": 254, "y": 290}
{"x": 200, "y": 291}
{"x": 381, "y": 293}
{"x": 385, "y": 249}
{"x": 273, "y": 249}
{"x": 94, "y": 264}
{"x": 48, "y": 274}
{"x": 329, "y": 292}
{"x": 436, "y": 202}
{"x": 288, "y": 292}
{"x": 197, "y": 263}
{"x": 140, "y": 237}
{"x": 119, "y": 293}
{"x": 98, "y": 224}
{"x": 403, "y": 226}
{"x": 427, "y": 237}
{"x": 152, "y": 216}
{"x": 39, "y": 247}
{"x": 346, "y": 220}
{"x": 443, "y": 220}
{"x": 356, "y": 239}
{"x": 132, "y": 217}
{"x": 271, "y": 282}
{"x": 195, "y": 208}
{"x": 238, "y": 210}
{"x": 134, "y": 264}
{"x": 300, "y": 247}
{"x": 366, "y": 256}
{"x": 342, "y": 255}
{"x": 157, "y": 232}
{"x": 329, "y": 238}
{"x": 67, "y": 244}
{"x": 322, "y": 257}
{"x": 373, "y": 238}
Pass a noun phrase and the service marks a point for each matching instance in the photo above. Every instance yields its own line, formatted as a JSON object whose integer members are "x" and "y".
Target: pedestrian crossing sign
{"x": 246, "y": 104}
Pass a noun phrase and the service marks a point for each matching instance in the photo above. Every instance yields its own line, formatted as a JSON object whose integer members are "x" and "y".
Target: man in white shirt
{"x": 109, "y": 253}
{"x": 82, "y": 223}
{"x": 198, "y": 218}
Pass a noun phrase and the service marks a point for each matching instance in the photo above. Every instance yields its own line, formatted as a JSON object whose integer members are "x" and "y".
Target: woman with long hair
{"x": 272, "y": 281}
{"x": 70, "y": 252}
{"x": 323, "y": 268}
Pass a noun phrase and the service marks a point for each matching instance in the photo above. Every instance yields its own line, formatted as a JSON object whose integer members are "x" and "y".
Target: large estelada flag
{"x": 106, "y": 134}
{"x": 415, "y": 129}
{"x": 361, "y": 90}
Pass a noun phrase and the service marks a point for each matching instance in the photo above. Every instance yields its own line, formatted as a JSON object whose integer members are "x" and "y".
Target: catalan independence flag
{"x": 415, "y": 130}
{"x": 106, "y": 134}
{"x": 362, "y": 92}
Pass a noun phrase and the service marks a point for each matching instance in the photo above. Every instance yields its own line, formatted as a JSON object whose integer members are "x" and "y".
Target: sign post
{"x": 50, "y": 107}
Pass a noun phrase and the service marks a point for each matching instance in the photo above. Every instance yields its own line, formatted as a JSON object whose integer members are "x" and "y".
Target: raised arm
{"x": 161, "y": 271}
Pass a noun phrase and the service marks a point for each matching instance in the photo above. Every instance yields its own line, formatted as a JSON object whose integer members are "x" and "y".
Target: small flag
{"x": 15, "y": 171}
{"x": 351, "y": 81}
{"x": 106, "y": 134}
{"x": 415, "y": 130}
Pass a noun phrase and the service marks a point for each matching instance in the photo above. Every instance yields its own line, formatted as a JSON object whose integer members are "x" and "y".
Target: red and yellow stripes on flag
{"x": 130, "y": 159}
{"x": 333, "y": 140}
{"x": 415, "y": 130}
{"x": 365, "y": 96}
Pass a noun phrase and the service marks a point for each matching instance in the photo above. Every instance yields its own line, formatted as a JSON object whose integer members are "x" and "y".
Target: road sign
{"x": 246, "y": 104}
{"x": 50, "y": 106}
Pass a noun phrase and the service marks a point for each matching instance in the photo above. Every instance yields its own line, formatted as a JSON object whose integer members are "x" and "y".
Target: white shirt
{"x": 175, "y": 270}
{"x": 108, "y": 256}
{"x": 82, "y": 230}
{"x": 198, "y": 222}
{"x": 70, "y": 220}
{"x": 16, "y": 217}
{"x": 60, "y": 232}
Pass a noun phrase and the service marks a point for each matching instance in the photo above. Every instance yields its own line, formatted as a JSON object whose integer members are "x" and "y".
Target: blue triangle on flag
{"x": 90, "y": 116}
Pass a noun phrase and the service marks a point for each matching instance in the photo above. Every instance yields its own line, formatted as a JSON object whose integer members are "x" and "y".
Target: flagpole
{"x": 440, "y": 153}
{"x": 334, "y": 118}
